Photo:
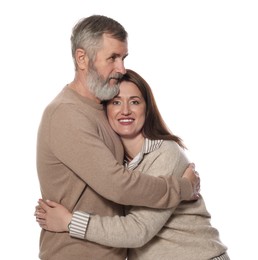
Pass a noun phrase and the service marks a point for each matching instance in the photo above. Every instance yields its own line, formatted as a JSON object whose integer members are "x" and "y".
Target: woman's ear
{"x": 81, "y": 59}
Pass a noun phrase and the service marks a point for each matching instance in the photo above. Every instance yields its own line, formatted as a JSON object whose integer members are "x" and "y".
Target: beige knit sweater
{"x": 182, "y": 233}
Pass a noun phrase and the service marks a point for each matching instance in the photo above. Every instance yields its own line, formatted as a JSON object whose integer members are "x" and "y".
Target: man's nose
{"x": 120, "y": 68}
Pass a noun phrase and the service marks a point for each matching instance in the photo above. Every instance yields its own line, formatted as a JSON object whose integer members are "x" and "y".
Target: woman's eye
{"x": 135, "y": 102}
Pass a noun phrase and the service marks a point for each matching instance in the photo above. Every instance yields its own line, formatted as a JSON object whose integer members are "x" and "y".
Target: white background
{"x": 201, "y": 59}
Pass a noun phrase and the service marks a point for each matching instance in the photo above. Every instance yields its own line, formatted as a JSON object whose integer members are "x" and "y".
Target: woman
{"x": 179, "y": 233}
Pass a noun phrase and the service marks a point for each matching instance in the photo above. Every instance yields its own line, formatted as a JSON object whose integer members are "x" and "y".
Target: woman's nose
{"x": 126, "y": 109}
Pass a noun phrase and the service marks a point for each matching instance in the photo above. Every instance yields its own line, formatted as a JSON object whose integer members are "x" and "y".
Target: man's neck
{"x": 81, "y": 88}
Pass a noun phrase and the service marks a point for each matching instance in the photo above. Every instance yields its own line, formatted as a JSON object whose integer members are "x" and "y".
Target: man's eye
{"x": 113, "y": 58}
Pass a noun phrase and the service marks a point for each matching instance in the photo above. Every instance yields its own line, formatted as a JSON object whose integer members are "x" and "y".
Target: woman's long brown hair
{"x": 154, "y": 127}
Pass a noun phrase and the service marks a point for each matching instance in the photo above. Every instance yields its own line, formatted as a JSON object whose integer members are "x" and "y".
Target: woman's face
{"x": 126, "y": 111}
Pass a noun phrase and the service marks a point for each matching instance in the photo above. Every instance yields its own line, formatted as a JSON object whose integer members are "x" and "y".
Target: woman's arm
{"x": 133, "y": 230}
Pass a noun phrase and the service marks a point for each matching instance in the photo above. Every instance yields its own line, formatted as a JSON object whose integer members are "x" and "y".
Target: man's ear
{"x": 81, "y": 59}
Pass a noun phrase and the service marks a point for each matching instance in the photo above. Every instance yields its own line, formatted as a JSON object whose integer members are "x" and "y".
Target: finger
{"x": 40, "y": 210}
{"x": 41, "y": 215}
{"x": 41, "y": 221}
{"x": 196, "y": 196}
{"x": 192, "y": 165}
{"x": 38, "y": 207}
{"x": 43, "y": 205}
{"x": 51, "y": 203}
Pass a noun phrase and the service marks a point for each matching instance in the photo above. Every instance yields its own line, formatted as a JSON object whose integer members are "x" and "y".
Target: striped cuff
{"x": 79, "y": 224}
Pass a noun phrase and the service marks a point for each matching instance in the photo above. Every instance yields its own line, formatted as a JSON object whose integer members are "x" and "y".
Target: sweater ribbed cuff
{"x": 79, "y": 224}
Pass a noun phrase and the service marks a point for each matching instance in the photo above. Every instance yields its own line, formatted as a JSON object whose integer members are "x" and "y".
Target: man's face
{"x": 108, "y": 68}
{"x": 101, "y": 87}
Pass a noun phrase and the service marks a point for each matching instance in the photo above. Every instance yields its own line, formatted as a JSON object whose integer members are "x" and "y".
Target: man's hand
{"x": 192, "y": 175}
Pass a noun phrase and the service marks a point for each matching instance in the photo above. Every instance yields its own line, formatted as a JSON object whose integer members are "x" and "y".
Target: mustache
{"x": 117, "y": 76}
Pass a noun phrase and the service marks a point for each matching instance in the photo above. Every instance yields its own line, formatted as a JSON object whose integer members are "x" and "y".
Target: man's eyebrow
{"x": 118, "y": 55}
{"x": 125, "y": 55}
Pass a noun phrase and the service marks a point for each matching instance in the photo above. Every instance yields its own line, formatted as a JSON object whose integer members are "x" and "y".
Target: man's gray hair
{"x": 87, "y": 34}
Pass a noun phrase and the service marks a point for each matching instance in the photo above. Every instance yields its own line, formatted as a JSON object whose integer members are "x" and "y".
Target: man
{"x": 79, "y": 157}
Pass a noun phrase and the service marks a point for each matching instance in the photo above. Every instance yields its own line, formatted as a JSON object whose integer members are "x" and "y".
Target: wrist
{"x": 78, "y": 225}
{"x": 68, "y": 227}
{"x": 68, "y": 222}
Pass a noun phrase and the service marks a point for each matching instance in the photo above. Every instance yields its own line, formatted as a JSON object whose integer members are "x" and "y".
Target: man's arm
{"x": 135, "y": 229}
{"x": 83, "y": 151}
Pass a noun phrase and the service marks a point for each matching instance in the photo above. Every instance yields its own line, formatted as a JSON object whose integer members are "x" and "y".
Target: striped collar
{"x": 148, "y": 147}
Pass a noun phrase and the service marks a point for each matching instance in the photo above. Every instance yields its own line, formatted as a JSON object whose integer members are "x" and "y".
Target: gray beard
{"x": 99, "y": 86}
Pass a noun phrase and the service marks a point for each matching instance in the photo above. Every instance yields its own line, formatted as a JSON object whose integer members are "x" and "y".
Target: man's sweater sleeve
{"x": 79, "y": 146}
{"x": 141, "y": 224}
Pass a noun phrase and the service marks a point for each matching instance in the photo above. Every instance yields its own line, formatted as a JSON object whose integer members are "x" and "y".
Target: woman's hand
{"x": 52, "y": 216}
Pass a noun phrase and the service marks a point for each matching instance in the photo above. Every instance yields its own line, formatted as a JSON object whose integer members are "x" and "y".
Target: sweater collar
{"x": 148, "y": 147}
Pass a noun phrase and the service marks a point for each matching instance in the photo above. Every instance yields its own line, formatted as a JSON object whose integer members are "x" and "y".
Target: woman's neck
{"x": 132, "y": 146}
